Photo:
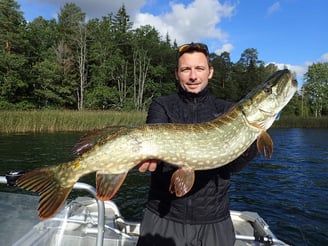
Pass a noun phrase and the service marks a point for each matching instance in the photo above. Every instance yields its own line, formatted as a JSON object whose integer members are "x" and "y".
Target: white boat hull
{"x": 86, "y": 221}
{"x": 77, "y": 224}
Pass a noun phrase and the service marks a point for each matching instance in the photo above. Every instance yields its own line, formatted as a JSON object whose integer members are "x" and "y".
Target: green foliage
{"x": 12, "y": 27}
{"x": 74, "y": 63}
{"x": 294, "y": 107}
{"x": 101, "y": 97}
{"x": 316, "y": 87}
{"x": 12, "y": 84}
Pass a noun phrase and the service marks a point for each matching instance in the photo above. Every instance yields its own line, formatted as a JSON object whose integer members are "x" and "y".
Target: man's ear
{"x": 210, "y": 75}
{"x": 176, "y": 74}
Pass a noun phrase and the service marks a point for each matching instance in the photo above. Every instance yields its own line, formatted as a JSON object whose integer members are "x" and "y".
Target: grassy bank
{"x": 301, "y": 122}
{"x": 65, "y": 120}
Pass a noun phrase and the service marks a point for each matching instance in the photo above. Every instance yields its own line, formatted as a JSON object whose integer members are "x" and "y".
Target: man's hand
{"x": 149, "y": 165}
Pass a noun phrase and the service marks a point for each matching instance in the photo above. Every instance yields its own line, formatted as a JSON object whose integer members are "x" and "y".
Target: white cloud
{"x": 193, "y": 22}
{"x": 225, "y": 48}
{"x": 274, "y": 8}
{"x": 184, "y": 23}
{"x": 196, "y": 21}
{"x": 298, "y": 70}
{"x": 324, "y": 57}
{"x": 301, "y": 70}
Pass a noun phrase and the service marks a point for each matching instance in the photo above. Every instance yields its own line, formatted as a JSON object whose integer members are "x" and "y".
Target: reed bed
{"x": 65, "y": 120}
{"x": 301, "y": 122}
{"x": 69, "y": 120}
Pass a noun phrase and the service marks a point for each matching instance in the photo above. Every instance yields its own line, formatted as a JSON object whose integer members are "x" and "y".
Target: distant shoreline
{"x": 70, "y": 120}
{"x": 301, "y": 122}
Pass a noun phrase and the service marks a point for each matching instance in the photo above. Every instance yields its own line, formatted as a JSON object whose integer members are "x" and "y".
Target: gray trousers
{"x": 156, "y": 231}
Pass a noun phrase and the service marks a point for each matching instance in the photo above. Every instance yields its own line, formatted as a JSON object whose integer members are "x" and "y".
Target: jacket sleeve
{"x": 238, "y": 164}
{"x": 156, "y": 113}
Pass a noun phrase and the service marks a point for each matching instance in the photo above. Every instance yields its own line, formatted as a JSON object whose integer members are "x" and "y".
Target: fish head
{"x": 263, "y": 104}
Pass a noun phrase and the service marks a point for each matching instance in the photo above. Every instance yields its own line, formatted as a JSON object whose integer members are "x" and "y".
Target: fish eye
{"x": 267, "y": 90}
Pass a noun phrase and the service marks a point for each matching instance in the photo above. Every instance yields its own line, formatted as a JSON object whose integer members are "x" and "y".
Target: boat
{"x": 86, "y": 221}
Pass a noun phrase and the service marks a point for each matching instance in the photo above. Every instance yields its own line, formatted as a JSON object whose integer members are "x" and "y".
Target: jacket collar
{"x": 193, "y": 97}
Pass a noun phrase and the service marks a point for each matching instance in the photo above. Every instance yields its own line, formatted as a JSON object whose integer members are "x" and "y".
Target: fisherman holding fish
{"x": 207, "y": 140}
{"x": 201, "y": 217}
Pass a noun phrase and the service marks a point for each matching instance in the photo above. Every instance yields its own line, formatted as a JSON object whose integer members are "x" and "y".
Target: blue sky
{"x": 290, "y": 33}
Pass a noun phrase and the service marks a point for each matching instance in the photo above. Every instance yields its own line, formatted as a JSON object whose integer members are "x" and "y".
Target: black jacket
{"x": 208, "y": 200}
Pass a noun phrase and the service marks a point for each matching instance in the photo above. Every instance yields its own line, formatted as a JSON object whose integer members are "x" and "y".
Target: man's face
{"x": 193, "y": 71}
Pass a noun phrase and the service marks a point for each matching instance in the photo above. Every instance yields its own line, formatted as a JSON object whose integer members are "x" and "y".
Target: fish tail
{"x": 52, "y": 193}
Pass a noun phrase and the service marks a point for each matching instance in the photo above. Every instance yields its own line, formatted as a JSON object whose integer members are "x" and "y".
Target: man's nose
{"x": 193, "y": 74}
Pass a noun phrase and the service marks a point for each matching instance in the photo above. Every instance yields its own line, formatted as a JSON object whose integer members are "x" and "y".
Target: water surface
{"x": 289, "y": 191}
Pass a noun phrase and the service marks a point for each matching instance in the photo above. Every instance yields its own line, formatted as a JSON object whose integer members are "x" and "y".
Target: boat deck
{"x": 77, "y": 223}
{"x": 18, "y": 215}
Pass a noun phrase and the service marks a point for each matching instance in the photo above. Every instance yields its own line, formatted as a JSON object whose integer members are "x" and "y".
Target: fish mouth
{"x": 267, "y": 112}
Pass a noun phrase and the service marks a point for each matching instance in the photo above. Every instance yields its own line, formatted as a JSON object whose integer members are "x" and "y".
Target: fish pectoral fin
{"x": 108, "y": 184}
{"x": 182, "y": 181}
{"x": 52, "y": 194}
{"x": 265, "y": 144}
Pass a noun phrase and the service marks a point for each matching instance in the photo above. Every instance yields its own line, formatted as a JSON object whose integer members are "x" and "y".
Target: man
{"x": 201, "y": 217}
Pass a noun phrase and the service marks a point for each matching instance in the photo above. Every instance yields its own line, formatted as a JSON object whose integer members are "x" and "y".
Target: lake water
{"x": 290, "y": 191}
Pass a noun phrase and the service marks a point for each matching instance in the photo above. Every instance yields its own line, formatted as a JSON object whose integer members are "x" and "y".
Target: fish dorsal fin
{"x": 108, "y": 184}
{"x": 182, "y": 181}
{"x": 265, "y": 144}
{"x": 90, "y": 139}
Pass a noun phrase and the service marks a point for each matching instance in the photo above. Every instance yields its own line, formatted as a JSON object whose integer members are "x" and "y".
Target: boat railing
{"x": 12, "y": 176}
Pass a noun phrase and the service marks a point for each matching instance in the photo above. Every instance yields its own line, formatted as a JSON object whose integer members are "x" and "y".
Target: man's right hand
{"x": 148, "y": 165}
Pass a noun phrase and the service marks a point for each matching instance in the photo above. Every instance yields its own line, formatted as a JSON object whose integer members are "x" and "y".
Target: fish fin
{"x": 265, "y": 144}
{"x": 108, "y": 184}
{"x": 182, "y": 181}
{"x": 52, "y": 194}
{"x": 91, "y": 138}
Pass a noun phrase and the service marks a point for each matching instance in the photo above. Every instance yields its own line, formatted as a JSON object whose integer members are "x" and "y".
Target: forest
{"x": 98, "y": 64}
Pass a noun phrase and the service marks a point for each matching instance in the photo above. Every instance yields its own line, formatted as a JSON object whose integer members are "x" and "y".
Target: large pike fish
{"x": 187, "y": 146}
